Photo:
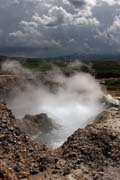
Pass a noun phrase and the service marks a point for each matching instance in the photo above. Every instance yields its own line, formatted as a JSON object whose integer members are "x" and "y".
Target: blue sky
{"x": 44, "y": 28}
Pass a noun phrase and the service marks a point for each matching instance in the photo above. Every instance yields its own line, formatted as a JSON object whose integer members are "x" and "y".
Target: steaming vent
{"x": 53, "y": 100}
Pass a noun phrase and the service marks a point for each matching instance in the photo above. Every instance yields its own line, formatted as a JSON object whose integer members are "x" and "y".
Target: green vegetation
{"x": 38, "y": 65}
{"x": 43, "y": 66}
{"x": 107, "y": 69}
{"x": 102, "y": 69}
{"x": 65, "y": 67}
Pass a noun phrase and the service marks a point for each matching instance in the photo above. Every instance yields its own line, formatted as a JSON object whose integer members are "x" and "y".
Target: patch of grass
{"x": 38, "y": 66}
{"x": 44, "y": 66}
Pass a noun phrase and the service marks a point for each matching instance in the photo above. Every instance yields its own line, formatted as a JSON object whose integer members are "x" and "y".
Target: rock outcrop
{"x": 96, "y": 149}
{"x": 18, "y": 152}
{"x": 39, "y": 127}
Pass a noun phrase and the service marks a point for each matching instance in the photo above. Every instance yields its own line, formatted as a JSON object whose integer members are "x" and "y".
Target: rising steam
{"x": 73, "y": 104}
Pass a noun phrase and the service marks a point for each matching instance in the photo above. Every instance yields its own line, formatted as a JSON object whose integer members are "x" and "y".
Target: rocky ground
{"x": 18, "y": 153}
{"x": 96, "y": 149}
{"x": 89, "y": 154}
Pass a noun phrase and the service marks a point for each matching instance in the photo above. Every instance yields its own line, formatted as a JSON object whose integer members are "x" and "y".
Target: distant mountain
{"x": 82, "y": 57}
{"x": 86, "y": 57}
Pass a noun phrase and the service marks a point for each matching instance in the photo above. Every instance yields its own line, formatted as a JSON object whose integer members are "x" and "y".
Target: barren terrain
{"x": 89, "y": 153}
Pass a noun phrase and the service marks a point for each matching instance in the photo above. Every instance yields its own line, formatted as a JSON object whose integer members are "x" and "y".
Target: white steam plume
{"x": 14, "y": 67}
{"x": 73, "y": 105}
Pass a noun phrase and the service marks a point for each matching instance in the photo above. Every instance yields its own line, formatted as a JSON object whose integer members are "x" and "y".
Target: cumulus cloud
{"x": 27, "y": 35}
{"x": 112, "y": 2}
{"x": 112, "y": 34}
{"x": 51, "y": 25}
{"x": 56, "y": 16}
{"x": 87, "y": 21}
{"x": 53, "y": 28}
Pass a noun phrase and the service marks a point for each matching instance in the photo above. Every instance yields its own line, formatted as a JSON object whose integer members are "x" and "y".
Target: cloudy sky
{"x": 44, "y": 28}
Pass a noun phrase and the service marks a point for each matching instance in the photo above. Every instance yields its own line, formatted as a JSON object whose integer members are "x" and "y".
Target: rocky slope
{"x": 18, "y": 153}
{"x": 92, "y": 153}
{"x": 96, "y": 149}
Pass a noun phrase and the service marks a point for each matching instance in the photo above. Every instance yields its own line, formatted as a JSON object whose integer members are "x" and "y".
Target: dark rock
{"x": 66, "y": 171}
{"x": 1, "y": 174}
{"x": 39, "y": 127}
{"x": 42, "y": 168}
{"x": 35, "y": 171}
{"x": 57, "y": 171}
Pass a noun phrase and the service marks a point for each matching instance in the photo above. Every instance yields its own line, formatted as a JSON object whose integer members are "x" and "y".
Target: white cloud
{"x": 56, "y": 16}
{"x": 17, "y": 34}
{"x": 112, "y": 33}
{"x": 52, "y": 27}
{"x": 27, "y": 35}
{"x": 112, "y": 2}
{"x": 27, "y": 28}
{"x": 62, "y": 24}
{"x": 86, "y": 21}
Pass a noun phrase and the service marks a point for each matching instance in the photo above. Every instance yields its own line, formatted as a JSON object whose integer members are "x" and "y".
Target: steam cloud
{"x": 73, "y": 104}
